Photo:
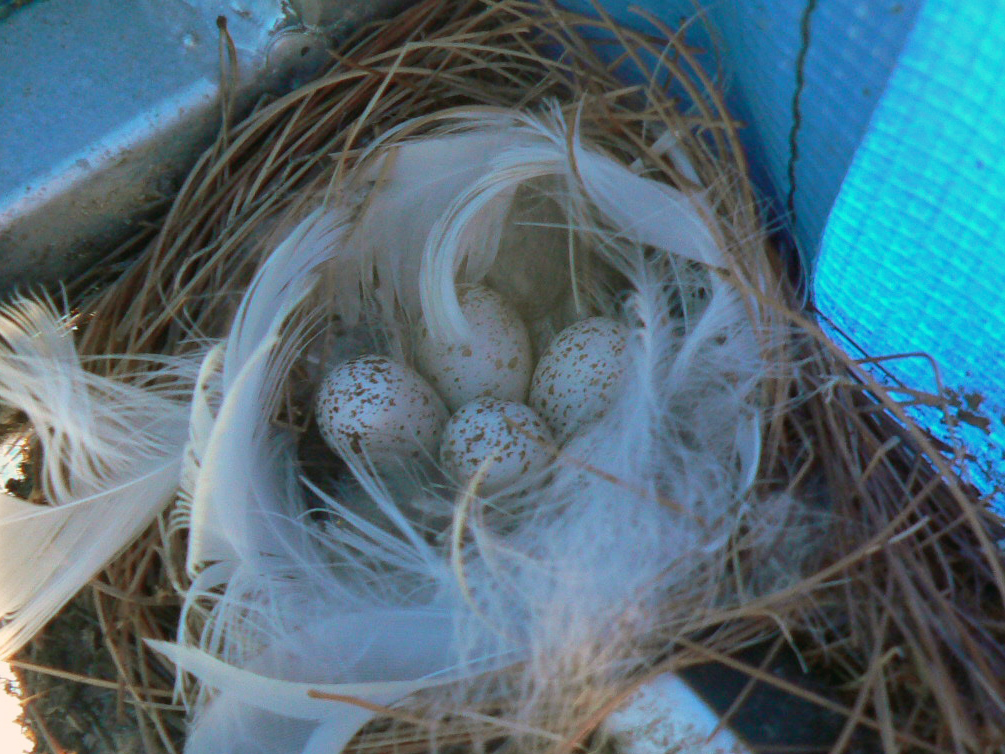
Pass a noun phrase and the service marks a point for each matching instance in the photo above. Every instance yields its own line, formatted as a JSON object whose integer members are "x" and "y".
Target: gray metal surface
{"x": 105, "y": 105}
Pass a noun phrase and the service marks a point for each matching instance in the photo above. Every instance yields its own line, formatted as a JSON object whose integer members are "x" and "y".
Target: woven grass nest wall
{"x": 856, "y": 546}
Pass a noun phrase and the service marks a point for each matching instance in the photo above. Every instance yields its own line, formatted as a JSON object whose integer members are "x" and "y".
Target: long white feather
{"x": 278, "y": 580}
{"x": 110, "y": 454}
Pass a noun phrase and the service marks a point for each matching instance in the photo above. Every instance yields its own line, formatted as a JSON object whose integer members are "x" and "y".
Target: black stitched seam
{"x": 797, "y": 115}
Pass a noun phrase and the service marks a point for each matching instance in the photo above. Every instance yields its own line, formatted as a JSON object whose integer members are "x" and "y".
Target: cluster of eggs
{"x": 480, "y": 406}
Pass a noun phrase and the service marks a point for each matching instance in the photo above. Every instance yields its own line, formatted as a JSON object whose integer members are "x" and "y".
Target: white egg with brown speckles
{"x": 374, "y": 406}
{"x": 578, "y": 376}
{"x": 507, "y": 437}
{"x": 495, "y": 361}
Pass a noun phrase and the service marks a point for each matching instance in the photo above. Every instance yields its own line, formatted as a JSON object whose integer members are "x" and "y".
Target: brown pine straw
{"x": 901, "y": 605}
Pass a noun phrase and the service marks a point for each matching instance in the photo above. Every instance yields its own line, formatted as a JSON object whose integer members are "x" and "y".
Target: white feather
{"x": 202, "y": 416}
{"x": 280, "y": 583}
{"x": 415, "y": 185}
{"x": 366, "y": 656}
{"x": 111, "y": 452}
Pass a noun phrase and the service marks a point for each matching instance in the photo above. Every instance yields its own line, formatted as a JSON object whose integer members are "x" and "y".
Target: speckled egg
{"x": 495, "y": 362}
{"x": 577, "y": 377}
{"x": 507, "y": 434}
{"x": 375, "y": 406}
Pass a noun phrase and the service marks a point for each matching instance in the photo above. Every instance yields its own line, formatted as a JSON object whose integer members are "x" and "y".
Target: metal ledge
{"x": 107, "y": 105}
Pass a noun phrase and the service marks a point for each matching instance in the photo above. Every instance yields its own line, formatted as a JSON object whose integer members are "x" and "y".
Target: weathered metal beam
{"x": 105, "y": 105}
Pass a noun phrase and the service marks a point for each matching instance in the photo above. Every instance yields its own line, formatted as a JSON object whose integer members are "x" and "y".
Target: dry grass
{"x": 902, "y": 609}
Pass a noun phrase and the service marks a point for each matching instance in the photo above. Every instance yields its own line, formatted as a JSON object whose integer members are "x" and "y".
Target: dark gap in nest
{"x": 753, "y": 706}
{"x": 79, "y": 716}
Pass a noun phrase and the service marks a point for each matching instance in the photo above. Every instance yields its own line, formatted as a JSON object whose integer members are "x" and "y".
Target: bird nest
{"x": 856, "y": 548}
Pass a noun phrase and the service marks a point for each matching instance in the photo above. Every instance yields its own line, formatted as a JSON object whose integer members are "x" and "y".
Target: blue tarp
{"x": 898, "y": 198}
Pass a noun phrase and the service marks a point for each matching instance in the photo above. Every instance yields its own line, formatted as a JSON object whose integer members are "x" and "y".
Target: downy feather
{"x": 110, "y": 454}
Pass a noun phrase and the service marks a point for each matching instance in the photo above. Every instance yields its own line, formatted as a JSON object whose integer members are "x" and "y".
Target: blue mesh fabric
{"x": 913, "y": 256}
